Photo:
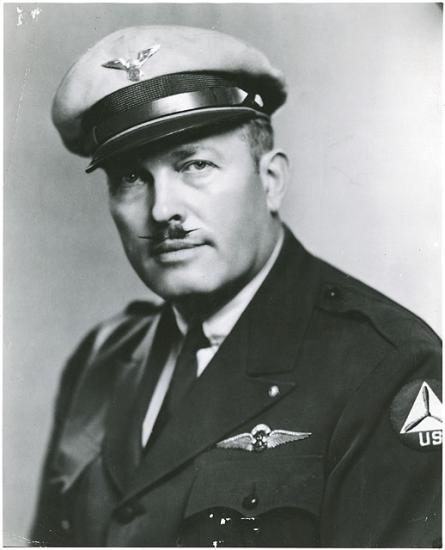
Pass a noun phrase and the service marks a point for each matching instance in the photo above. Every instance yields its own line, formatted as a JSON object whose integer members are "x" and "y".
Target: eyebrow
{"x": 179, "y": 153}
{"x": 189, "y": 150}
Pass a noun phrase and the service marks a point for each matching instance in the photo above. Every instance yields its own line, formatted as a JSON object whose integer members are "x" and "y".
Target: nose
{"x": 167, "y": 204}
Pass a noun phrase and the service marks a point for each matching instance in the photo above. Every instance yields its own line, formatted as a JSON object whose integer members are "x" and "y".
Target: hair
{"x": 259, "y": 134}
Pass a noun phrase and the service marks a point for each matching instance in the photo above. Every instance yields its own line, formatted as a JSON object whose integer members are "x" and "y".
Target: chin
{"x": 176, "y": 284}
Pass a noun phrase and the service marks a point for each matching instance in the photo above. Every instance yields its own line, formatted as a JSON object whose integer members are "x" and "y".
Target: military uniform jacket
{"x": 316, "y": 352}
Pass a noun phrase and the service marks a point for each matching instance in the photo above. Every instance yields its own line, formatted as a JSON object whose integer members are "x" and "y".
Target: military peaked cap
{"x": 141, "y": 84}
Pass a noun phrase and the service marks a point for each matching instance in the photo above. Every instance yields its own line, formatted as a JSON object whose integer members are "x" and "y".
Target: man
{"x": 271, "y": 400}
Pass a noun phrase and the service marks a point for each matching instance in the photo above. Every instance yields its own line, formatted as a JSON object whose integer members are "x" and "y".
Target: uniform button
{"x": 331, "y": 292}
{"x": 127, "y": 513}
{"x": 273, "y": 391}
{"x": 65, "y": 525}
{"x": 250, "y": 502}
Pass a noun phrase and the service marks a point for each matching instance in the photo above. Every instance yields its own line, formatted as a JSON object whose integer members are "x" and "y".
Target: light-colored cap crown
{"x": 120, "y": 75}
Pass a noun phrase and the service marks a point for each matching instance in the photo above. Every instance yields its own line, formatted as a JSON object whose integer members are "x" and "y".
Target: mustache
{"x": 170, "y": 232}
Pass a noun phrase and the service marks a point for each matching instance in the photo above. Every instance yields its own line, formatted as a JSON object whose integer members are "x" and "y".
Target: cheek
{"x": 129, "y": 228}
{"x": 128, "y": 218}
{"x": 245, "y": 209}
{"x": 242, "y": 217}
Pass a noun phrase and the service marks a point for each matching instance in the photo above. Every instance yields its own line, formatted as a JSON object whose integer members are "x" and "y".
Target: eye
{"x": 131, "y": 177}
{"x": 121, "y": 182}
{"x": 195, "y": 166}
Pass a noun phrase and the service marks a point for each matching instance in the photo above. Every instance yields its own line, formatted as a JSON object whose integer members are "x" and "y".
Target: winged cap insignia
{"x": 132, "y": 66}
{"x": 261, "y": 438}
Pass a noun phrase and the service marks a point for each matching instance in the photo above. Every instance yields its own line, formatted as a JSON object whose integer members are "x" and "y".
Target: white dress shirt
{"x": 215, "y": 328}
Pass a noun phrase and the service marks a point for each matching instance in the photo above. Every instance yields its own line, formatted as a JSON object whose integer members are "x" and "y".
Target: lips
{"x": 173, "y": 245}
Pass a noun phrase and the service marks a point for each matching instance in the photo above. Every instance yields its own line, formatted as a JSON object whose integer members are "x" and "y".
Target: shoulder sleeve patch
{"x": 417, "y": 415}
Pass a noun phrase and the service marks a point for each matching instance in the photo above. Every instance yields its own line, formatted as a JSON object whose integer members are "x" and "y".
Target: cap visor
{"x": 177, "y": 124}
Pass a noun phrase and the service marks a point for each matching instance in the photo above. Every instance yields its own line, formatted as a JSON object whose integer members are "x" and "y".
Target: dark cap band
{"x": 142, "y": 107}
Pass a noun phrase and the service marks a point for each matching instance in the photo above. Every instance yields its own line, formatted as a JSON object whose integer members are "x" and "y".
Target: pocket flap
{"x": 253, "y": 487}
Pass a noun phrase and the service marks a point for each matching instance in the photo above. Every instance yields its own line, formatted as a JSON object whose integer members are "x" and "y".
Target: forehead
{"x": 227, "y": 145}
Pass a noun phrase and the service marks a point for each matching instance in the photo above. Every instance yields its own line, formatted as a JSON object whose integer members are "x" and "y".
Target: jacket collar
{"x": 279, "y": 314}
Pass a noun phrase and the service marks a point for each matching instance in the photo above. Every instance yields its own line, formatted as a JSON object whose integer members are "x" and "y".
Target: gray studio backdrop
{"x": 362, "y": 128}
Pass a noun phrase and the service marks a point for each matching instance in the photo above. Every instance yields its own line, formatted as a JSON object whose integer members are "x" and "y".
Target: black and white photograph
{"x": 222, "y": 275}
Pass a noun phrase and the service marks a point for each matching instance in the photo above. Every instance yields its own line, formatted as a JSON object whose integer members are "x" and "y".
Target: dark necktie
{"x": 186, "y": 368}
{"x": 184, "y": 375}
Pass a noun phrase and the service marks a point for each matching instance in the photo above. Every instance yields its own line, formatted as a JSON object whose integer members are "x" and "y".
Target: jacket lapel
{"x": 260, "y": 351}
{"x": 84, "y": 429}
{"x": 280, "y": 312}
{"x": 122, "y": 444}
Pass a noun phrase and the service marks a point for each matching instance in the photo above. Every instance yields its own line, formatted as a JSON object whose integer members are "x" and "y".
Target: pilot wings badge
{"x": 261, "y": 438}
{"x": 132, "y": 66}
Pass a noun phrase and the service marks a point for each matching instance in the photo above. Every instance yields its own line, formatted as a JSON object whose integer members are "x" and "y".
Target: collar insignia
{"x": 261, "y": 438}
{"x": 132, "y": 66}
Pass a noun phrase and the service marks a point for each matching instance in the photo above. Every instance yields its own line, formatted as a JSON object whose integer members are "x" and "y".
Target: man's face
{"x": 194, "y": 219}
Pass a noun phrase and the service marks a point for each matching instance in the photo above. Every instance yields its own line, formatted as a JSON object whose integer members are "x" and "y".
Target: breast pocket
{"x": 257, "y": 499}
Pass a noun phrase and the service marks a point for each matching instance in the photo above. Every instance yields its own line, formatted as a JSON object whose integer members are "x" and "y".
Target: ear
{"x": 274, "y": 173}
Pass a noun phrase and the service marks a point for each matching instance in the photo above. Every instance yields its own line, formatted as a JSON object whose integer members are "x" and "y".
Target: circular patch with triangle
{"x": 416, "y": 414}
